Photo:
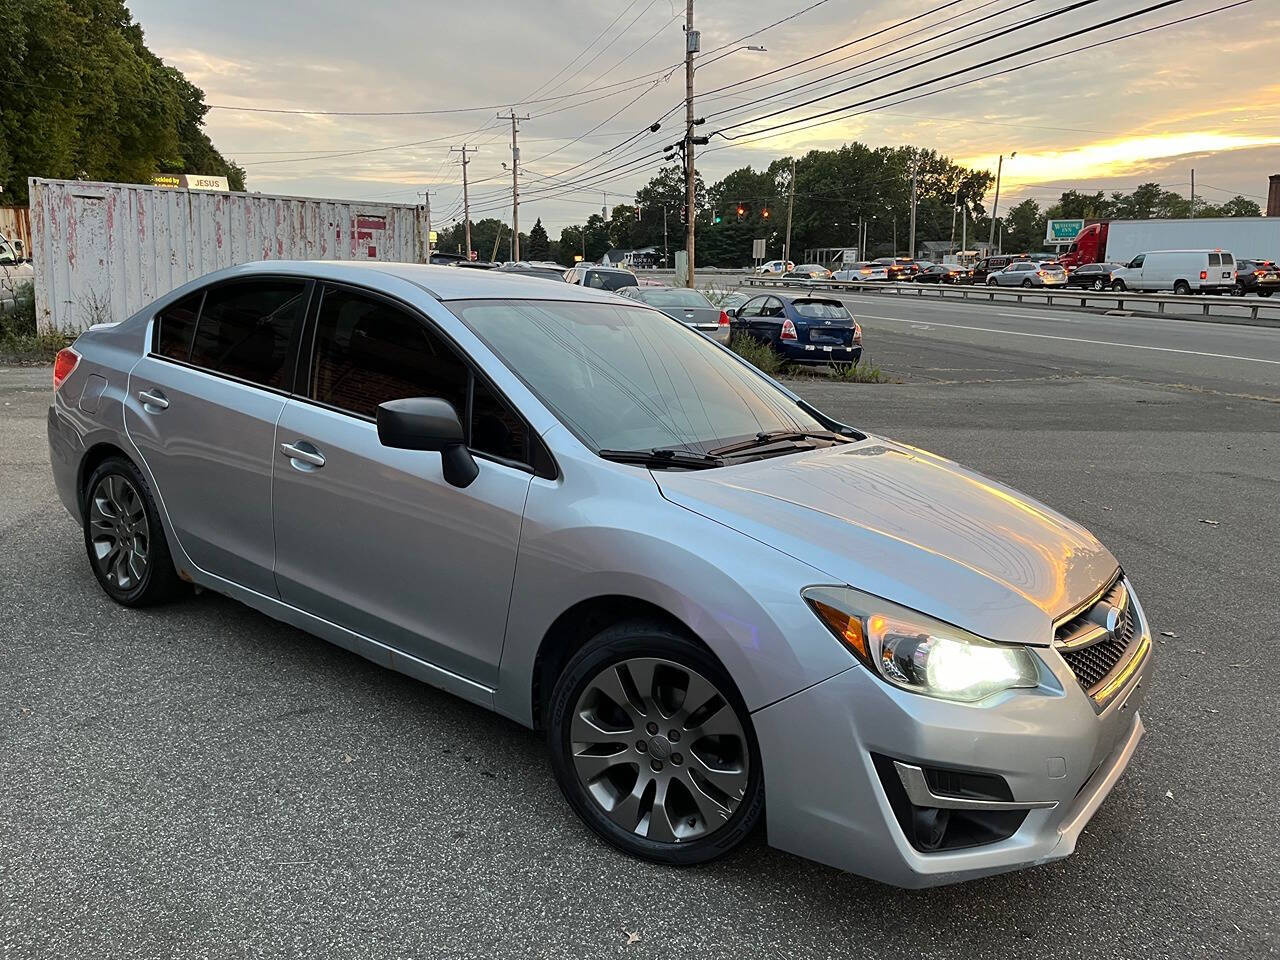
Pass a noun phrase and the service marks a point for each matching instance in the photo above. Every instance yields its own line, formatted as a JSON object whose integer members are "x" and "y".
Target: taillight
{"x": 1042, "y": 273}
{"x": 1204, "y": 274}
{"x": 857, "y": 332}
{"x": 724, "y": 319}
{"x": 64, "y": 365}
{"x": 789, "y": 330}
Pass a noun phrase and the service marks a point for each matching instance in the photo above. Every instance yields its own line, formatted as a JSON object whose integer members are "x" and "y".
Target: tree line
{"x": 81, "y": 97}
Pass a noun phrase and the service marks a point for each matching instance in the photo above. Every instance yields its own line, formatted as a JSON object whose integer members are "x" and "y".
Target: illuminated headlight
{"x": 918, "y": 653}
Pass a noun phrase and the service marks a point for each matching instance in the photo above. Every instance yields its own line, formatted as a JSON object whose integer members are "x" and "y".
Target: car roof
{"x": 800, "y": 295}
{"x": 441, "y": 282}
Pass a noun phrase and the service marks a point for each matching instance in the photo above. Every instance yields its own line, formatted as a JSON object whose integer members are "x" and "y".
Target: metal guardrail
{"x": 1073, "y": 295}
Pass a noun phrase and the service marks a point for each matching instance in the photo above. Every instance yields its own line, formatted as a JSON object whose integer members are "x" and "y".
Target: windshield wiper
{"x": 771, "y": 437}
{"x": 662, "y": 458}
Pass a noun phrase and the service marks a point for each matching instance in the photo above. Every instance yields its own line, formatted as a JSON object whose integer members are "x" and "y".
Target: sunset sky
{"x": 1204, "y": 94}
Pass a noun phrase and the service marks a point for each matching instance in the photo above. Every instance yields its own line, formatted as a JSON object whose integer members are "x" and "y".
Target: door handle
{"x": 298, "y": 452}
{"x": 153, "y": 398}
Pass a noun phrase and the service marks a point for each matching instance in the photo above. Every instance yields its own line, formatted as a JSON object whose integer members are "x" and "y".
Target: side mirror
{"x": 731, "y": 312}
{"x": 428, "y": 423}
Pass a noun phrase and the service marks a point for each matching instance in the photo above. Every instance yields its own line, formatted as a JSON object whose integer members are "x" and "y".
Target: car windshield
{"x": 609, "y": 279}
{"x": 820, "y": 309}
{"x": 624, "y": 378}
{"x": 674, "y": 298}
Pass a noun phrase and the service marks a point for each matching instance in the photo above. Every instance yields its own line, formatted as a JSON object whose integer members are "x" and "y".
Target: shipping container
{"x": 102, "y": 251}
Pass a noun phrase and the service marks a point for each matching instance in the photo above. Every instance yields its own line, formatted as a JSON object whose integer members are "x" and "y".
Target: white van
{"x": 1180, "y": 271}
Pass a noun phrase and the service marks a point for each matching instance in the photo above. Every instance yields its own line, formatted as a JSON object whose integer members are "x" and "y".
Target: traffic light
{"x": 765, "y": 213}
{"x": 717, "y": 217}
{"x": 741, "y": 210}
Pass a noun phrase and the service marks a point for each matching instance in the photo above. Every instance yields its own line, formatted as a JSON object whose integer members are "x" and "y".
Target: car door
{"x": 374, "y": 539}
{"x": 202, "y": 408}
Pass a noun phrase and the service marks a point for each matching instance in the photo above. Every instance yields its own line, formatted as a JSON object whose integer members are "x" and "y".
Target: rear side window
{"x": 245, "y": 329}
{"x": 368, "y": 351}
{"x": 1215, "y": 260}
{"x": 176, "y": 326}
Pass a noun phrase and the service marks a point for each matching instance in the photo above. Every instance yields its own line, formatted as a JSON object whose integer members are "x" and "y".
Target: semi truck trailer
{"x": 1119, "y": 241}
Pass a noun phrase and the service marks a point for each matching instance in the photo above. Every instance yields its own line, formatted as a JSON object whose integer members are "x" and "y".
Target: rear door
{"x": 202, "y": 410}
{"x": 374, "y": 539}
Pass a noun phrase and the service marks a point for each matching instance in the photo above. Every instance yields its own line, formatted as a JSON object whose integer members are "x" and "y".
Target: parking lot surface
{"x": 198, "y": 780}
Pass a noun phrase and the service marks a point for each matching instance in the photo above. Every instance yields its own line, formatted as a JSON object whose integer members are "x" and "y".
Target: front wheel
{"x": 653, "y": 747}
{"x": 1118, "y": 286}
{"x": 991, "y": 282}
{"x": 124, "y": 539}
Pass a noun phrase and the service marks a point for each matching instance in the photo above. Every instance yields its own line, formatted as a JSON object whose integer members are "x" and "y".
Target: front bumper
{"x": 828, "y": 802}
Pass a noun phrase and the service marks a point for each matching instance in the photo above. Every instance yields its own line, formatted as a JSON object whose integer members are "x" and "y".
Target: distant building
{"x": 641, "y": 259}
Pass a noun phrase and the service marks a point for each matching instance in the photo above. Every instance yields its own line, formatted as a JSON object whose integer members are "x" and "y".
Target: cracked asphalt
{"x": 201, "y": 781}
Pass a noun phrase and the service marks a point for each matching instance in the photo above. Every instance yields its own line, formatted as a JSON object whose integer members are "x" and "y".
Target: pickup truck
{"x": 15, "y": 271}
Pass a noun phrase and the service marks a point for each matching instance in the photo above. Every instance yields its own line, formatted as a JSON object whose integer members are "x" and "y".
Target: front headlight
{"x": 918, "y": 653}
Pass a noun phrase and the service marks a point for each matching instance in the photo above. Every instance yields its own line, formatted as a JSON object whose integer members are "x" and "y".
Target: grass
{"x": 760, "y": 355}
{"x": 20, "y": 341}
{"x": 767, "y": 360}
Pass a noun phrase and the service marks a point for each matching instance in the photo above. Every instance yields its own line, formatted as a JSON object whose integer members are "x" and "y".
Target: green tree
{"x": 1024, "y": 227}
{"x": 539, "y": 243}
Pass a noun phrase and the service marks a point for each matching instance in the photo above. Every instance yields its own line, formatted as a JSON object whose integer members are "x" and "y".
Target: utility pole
{"x": 964, "y": 229}
{"x": 691, "y": 47}
{"x": 515, "y": 182}
{"x": 665, "y": 261}
{"x": 1193, "y": 193}
{"x": 466, "y": 203}
{"x": 426, "y": 237}
{"x": 954, "y": 208}
{"x": 791, "y": 202}
{"x": 915, "y": 169}
{"x": 996, "y": 205}
{"x": 895, "y": 235}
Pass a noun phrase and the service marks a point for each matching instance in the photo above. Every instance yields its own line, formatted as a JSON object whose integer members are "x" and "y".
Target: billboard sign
{"x": 1062, "y": 231}
{"x": 189, "y": 181}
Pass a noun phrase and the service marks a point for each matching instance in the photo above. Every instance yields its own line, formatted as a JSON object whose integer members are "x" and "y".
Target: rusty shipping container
{"x": 102, "y": 251}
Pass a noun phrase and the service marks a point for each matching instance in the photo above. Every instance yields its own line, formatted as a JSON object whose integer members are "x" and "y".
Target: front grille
{"x": 1090, "y": 647}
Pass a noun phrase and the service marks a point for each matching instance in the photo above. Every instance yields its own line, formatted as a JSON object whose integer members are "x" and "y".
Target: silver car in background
{"x": 690, "y": 307}
{"x": 1029, "y": 273}
{"x": 575, "y": 511}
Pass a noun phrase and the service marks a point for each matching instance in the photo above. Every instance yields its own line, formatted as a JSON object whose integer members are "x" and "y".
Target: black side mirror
{"x": 428, "y": 423}
{"x": 731, "y": 312}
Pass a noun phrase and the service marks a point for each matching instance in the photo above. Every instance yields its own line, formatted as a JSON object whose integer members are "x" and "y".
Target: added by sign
{"x": 1060, "y": 230}
{"x": 189, "y": 181}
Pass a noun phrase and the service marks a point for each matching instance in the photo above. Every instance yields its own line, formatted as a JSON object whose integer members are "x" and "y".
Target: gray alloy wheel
{"x": 1099, "y": 284}
{"x": 659, "y": 749}
{"x": 119, "y": 532}
{"x": 1182, "y": 288}
{"x": 1026, "y": 283}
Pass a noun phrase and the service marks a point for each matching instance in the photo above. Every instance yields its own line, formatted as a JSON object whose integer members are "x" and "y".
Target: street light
{"x": 995, "y": 206}
{"x": 756, "y": 48}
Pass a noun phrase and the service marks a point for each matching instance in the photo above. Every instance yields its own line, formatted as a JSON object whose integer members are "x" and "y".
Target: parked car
{"x": 1178, "y": 271}
{"x": 1095, "y": 276}
{"x": 994, "y": 264}
{"x": 808, "y": 271}
{"x": 802, "y": 328}
{"x": 15, "y": 272}
{"x": 559, "y": 505}
{"x": 1028, "y": 273}
{"x": 899, "y": 268}
{"x": 945, "y": 273}
{"x": 732, "y": 300}
{"x": 1256, "y": 276}
{"x": 777, "y": 267}
{"x": 547, "y": 271}
{"x": 690, "y": 307}
{"x": 862, "y": 270}
{"x": 600, "y": 278}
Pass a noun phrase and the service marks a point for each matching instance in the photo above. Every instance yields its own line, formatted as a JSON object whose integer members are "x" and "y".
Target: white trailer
{"x": 102, "y": 251}
{"x": 1248, "y": 238}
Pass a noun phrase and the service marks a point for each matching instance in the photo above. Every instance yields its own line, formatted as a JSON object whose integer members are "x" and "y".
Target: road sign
{"x": 757, "y": 249}
{"x": 1061, "y": 231}
{"x": 433, "y": 235}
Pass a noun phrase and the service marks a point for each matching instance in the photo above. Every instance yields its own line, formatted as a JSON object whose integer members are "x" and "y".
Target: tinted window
{"x": 609, "y": 280}
{"x": 495, "y": 428}
{"x": 245, "y": 328}
{"x": 625, "y": 378}
{"x": 176, "y": 325}
{"x": 820, "y": 310}
{"x": 368, "y": 351}
{"x": 1215, "y": 260}
{"x": 674, "y": 298}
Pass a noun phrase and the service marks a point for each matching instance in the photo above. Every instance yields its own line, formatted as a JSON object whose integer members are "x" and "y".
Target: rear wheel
{"x": 1265, "y": 293}
{"x": 124, "y": 539}
{"x": 1026, "y": 283}
{"x": 1237, "y": 289}
{"x": 653, "y": 747}
{"x": 1099, "y": 284}
{"x": 1181, "y": 288}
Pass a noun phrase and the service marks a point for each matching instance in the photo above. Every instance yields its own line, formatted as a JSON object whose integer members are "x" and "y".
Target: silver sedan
{"x": 1029, "y": 273}
{"x": 576, "y": 511}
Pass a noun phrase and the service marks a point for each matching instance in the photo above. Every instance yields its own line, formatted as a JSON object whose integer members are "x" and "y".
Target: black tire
{"x": 1237, "y": 289}
{"x": 628, "y": 642}
{"x": 1181, "y": 288}
{"x": 158, "y": 581}
{"x": 1117, "y": 286}
{"x": 1026, "y": 283}
{"x": 1099, "y": 284}
{"x": 1265, "y": 293}
{"x": 991, "y": 282}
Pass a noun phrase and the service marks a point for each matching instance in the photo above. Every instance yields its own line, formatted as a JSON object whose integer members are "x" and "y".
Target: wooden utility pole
{"x": 791, "y": 202}
{"x": 1193, "y": 193}
{"x": 426, "y": 237}
{"x": 690, "y": 174}
{"x": 915, "y": 171}
{"x": 466, "y": 203}
{"x": 515, "y": 183}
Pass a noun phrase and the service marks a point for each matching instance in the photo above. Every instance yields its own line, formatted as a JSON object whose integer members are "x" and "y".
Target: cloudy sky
{"x": 1205, "y": 94}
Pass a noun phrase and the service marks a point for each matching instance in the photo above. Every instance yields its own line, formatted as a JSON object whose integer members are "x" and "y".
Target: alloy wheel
{"x": 119, "y": 534}
{"x": 659, "y": 749}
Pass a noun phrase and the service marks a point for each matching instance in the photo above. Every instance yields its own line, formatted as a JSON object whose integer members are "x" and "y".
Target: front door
{"x": 374, "y": 539}
{"x": 202, "y": 409}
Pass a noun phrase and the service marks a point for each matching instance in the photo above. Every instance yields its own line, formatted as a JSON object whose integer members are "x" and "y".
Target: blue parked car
{"x": 801, "y": 327}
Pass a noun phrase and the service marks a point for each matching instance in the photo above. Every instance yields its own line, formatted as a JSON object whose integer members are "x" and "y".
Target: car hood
{"x": 913, "y": 528}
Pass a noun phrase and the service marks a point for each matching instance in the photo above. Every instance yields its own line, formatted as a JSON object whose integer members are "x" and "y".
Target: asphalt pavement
{"x": 201, "y": 781}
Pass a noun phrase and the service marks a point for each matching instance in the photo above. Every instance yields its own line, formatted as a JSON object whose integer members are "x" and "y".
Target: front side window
{"x": 1137, "y": 261}
{"x": 368, "y": 351}
{"x": 752, "y": 309}
{"x": 621, "y": 377}
{"x": 245, "y": 328}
